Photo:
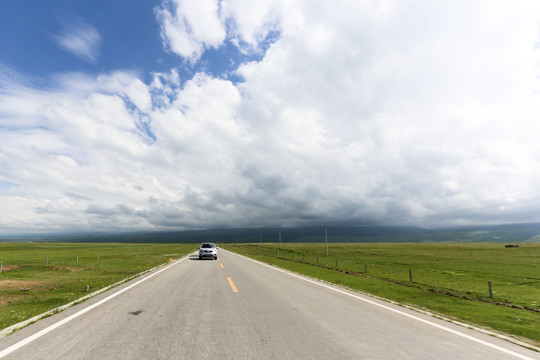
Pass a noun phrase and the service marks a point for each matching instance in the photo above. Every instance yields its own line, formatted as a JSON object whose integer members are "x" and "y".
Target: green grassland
{"x": 38, "y": 277}
{"x": 447, "y": 278}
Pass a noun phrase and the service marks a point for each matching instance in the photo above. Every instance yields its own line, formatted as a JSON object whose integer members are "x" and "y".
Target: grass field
{"x": 38, "y": 277}
{"x": 447, "y": 278}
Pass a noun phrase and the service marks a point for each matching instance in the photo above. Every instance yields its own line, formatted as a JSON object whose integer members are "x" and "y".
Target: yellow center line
{"x": 233, "y": 287}
{"x": 221, "y": 265}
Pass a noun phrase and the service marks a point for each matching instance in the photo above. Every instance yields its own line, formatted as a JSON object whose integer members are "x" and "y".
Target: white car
{"x": 208, "y": 250}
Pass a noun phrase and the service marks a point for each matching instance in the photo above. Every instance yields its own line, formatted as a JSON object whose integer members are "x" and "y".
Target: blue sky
{"x": 128, "y": 37}
{"x": 189, "y": 114}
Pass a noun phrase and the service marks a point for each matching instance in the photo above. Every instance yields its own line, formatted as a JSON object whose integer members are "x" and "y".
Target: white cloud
{"x": 382, "y": 94}
{"x": 415, "y": 113}
{"x": 251, "y": 21}
{"x": 80, "y": 39}
{"x": 188, "y": 27}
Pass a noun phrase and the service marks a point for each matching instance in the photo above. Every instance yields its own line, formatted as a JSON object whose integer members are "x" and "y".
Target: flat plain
{"x": 188, "y": 309}
{"x": 39, "y": 277}
{"x": 451, "y": 279}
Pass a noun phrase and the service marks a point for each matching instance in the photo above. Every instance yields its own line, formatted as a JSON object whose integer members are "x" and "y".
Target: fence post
{"x": 77, "y": 259}
{"x": 304, "y": 256}
{"x": 46, "y": 260}
{"x": 0, "y": 267}
{"x": 490, "y": 292}
{"x": 410, "y": 275}
{"x": 336, "y": 264}
{"x": 365, "y": 268}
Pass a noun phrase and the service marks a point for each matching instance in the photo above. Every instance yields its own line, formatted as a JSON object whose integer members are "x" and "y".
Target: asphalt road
{"x": 235, "y": 308}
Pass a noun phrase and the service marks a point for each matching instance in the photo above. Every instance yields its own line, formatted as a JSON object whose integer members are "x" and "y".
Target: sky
{"x": 193, "y": 114}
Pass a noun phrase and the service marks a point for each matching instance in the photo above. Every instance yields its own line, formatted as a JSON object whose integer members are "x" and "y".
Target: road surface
{"x": 236, "y": 308}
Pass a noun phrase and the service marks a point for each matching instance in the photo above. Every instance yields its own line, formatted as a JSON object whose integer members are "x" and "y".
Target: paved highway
{"x": 236, "y": 308}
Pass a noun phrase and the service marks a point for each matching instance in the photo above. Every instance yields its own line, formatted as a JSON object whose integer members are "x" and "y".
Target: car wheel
{"x": 200, "y": 257}
{"x": 215, "y": 257}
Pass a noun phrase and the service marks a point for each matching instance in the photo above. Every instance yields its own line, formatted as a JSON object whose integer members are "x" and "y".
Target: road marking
{"x": 441, "y": 327}
{"x": 39, "y": 334}
{"x": 234, "y": 289}
{"x": 221, "y": 266}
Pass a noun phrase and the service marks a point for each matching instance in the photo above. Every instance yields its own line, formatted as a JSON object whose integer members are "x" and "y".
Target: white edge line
{"x": 441, "y": 327}
{"x": 40, "y": 333}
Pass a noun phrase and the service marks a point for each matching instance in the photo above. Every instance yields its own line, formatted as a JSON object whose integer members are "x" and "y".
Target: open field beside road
{"x": 448, "y": 278}
{"x": 38, "y": 277}
{"x": 237, "y": 308}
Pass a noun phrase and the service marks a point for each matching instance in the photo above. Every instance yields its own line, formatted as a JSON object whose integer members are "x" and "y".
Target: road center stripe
{"x": 233, "y": 287}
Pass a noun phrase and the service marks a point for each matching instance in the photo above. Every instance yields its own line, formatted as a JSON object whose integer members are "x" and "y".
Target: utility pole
{"x": 326, "y": 239}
